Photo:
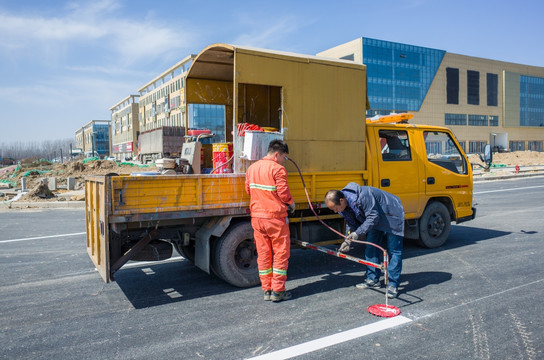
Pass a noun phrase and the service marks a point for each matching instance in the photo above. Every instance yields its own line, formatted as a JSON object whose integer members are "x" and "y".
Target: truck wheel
{"x": 434, "y": 225}
{"x": 235, "y": 256}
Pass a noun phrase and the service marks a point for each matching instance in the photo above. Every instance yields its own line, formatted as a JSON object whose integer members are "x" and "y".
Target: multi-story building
{"x": 96, "y": 138}
{"x": 80, "y": 143}
{"x": 162, "y": 105}
{"x": 125, "y": 128}
{"x": 162, "y": 100}
{"x": 483, "y": 101}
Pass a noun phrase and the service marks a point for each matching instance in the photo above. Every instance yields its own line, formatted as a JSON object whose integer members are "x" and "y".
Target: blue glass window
{"x": 455, "y": 119}
{"x": 210, "y": 117}
{"x": 477, "y": 120}
{"x": 531, "y": 101}
{"x": 398, "y": 75}
{"x": 492, "y": 89}
{"x": 473, "y": 87}
{"x": 493, "y": 120}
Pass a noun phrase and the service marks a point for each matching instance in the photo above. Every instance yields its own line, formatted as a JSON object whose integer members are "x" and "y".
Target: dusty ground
{"x": 35, "y": 171}
{"x": 521, "y": 158}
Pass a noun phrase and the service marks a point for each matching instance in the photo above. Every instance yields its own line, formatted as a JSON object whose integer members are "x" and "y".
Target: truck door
{"x": 446, "y": 171}
{"x": 398, "y": 168}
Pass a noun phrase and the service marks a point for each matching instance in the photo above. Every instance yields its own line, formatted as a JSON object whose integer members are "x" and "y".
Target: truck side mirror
{"x": 487, "y": 158}
{"x": 488, "y": 155}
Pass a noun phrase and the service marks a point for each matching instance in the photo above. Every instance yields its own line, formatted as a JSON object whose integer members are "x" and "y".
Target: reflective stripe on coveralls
{"x": 262, "y": 187}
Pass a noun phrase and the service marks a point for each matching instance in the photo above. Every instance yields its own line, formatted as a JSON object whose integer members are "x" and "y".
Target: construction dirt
{"x": 521, "y": 158}
{"x": 35, "y": 171}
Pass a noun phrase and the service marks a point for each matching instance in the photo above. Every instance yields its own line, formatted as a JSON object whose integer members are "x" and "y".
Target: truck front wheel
{"x": 234, "y": 258}
{"x": 434, "y": 225}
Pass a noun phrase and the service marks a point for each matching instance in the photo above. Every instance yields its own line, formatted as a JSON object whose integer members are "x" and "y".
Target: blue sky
{"x": 65, "y": 63}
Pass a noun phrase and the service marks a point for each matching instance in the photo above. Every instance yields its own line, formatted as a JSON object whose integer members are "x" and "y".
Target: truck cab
{"x": 426, "y": 167}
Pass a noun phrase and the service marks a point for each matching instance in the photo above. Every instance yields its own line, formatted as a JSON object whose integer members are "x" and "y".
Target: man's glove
{"x": 291, "y": 207}
{"x": 344, "y": 248}
{"x": 353, "y": 236}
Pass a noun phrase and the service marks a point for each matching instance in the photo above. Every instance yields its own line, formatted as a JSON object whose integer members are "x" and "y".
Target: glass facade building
{"x": 531, "y": 101}
{"x": 398, "y": 75}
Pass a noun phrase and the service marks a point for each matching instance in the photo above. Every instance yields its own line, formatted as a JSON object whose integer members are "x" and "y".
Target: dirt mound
{"x": 34, "y": 171}
{"x": 40, "y": 191}
{"x": 521, "y": 158}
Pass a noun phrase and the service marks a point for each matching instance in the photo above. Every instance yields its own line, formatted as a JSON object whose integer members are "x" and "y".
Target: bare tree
{"x": 47, "y": 149}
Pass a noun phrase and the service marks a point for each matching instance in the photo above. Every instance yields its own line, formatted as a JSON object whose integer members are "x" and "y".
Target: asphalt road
{"x": 477, "y": 297}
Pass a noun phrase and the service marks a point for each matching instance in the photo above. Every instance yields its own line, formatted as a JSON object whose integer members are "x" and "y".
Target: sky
{"x": 65, "y": 63}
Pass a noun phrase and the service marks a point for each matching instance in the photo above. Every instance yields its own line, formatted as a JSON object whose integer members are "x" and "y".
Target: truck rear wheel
{"x": 234, "y": 258}
{"x": 434, "y": 225}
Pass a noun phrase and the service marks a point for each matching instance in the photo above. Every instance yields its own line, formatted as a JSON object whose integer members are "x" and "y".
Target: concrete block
{"x": 71, "y": 183}
{"x": 52, "y": 183}
{"x": 23, "y": 184}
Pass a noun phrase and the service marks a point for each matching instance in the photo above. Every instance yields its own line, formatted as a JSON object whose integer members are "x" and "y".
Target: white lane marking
{"x": 512, "y": 189}
{"x": 335, "y": 339}
{"x": 321, "y": 343}
{"x": 41, "y": 237}
{"x": 146, "y": 263}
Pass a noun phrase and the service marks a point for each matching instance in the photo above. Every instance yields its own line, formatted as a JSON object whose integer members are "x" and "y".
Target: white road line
{"x": 512, "y": 189}
{"x": 331, "y": 340}
{"x": 146, "y": 263}
{"x": 41, "y": 237}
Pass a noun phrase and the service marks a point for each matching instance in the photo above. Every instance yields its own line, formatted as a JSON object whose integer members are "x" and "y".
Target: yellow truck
{"x": 318, "y": 107}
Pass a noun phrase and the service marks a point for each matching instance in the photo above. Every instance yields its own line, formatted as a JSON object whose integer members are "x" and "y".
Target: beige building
{"x": 125, "y": 128}
{"x": 482, "y": 101}
{"x": 162, "y": 100}
{"x": 93, "y": 139}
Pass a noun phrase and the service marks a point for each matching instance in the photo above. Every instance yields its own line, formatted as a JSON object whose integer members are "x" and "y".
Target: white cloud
{"x": 83, "y": 28}
{"x": 265, "y": 34}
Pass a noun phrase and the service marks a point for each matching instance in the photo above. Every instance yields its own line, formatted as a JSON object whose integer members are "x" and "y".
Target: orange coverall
{"x": 266, "y": 184}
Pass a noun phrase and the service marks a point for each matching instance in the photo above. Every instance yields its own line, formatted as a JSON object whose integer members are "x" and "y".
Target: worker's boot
{"x": 267, "y": 295}
{"x": 280, "y": 295}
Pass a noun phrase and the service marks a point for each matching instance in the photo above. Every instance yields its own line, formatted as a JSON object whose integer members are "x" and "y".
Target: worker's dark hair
{"x": 334, "y": 196}
{"x": 278, "y": 146}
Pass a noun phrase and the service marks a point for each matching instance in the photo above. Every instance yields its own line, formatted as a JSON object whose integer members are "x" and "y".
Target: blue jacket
{"x": 372, "y": 209}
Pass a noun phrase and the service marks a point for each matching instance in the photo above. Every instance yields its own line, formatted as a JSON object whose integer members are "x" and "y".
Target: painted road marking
{"x": 512, "y": 189}
{"x": 147, "y": 263}
{"x": 41, "y": 237}
{"x": 335, "y": 339}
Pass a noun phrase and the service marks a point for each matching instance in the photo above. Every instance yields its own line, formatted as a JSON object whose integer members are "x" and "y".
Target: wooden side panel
{"x": 96, "y": 215}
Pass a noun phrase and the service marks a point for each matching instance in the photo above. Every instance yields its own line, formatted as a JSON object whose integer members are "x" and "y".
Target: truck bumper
{"x": 467, "y": 218}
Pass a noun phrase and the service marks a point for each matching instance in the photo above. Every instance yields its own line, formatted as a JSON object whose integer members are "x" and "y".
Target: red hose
{"x": 330, "y": 228}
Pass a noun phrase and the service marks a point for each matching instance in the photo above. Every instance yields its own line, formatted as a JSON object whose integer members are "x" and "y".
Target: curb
{"x": 480, "y": 177}
{"x": 43, "y": 205}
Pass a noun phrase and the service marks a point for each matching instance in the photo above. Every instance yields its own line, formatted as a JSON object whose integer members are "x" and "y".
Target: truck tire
{"x": 434, "y": 225}
{"x": 234, "y": 258}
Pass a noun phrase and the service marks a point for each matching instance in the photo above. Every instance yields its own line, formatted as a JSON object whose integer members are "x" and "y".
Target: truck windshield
{"x": 443, "y": 151}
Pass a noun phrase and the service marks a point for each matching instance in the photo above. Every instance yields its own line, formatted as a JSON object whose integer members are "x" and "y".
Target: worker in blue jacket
{"x": 377, "y": 214}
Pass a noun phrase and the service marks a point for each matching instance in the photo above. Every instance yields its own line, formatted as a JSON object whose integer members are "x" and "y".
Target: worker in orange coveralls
{"x": 266, "y": 184}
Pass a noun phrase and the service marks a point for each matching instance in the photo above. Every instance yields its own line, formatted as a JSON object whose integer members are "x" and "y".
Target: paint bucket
{"x": 222, "y": 152}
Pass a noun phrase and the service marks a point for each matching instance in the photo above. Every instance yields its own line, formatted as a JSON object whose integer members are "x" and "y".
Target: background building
{"x": 483, "y": 101}
{"x": 125, "y": 128}
{"x": 80, "y": 143}
{"x": 96, "y": 138}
